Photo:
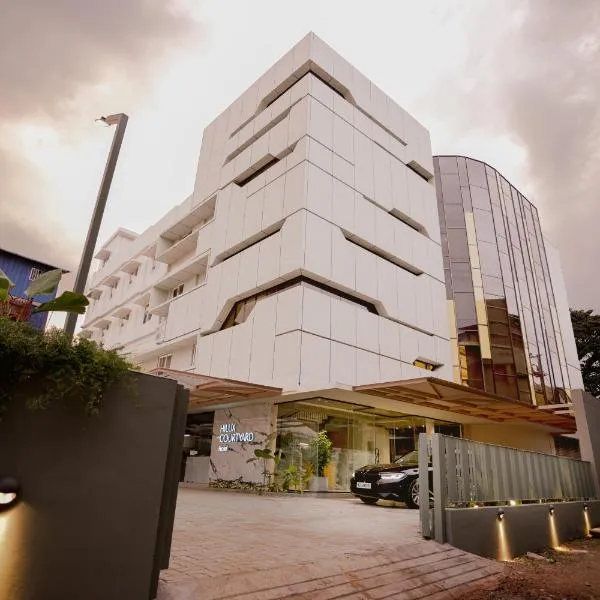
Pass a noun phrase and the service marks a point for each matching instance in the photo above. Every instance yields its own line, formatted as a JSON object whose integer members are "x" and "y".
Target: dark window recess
{"x": 389, "y": 258}
{"x": 257, "y": 169}
{"x": 419, "y": 170}
{"x": 247, "y": 178}
{"x": 265, "y": 234}
{"x": 404, "y": 218}
{"x": 242, "y": 308}
{"x": 276, "y": 120}
{"x": 293, "y": 82}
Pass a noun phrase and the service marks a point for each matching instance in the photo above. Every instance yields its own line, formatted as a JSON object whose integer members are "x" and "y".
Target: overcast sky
{"x": 515, "y": 83}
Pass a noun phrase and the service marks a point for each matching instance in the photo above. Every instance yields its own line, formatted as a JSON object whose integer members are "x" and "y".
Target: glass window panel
{"x": 466, "y": 198}
{"x": 476, "y": 171}
{"x": 511, "y": 300}
{"x": 493, "y": 187}
{"x": 488, "y": 258}
{"x": 454, "y": 216}
{"x": 496, "y": 314}
{"x": 457, "y": 242}
{"x": 506, "y": 268}
{"x": 445, "y": 250}
{"x": 462, "y": 172}
{"x": 468, "y": 336}
{"x": 480, "y": 198}
{"x": 462, "y": 280}
{"x": 448, "y": 282}
{"x": 499, "y": 329}
{"x": 448, "y": 164}
{"x": 451, "y": 189}
{"x": 484, "y": 225}
{"x": 493, "y": 287}
{"x": 506, "y": 385}
{"x": 465, "y": 309}
{"x": 488, "y": 375}
{"x": 498, "y": 220}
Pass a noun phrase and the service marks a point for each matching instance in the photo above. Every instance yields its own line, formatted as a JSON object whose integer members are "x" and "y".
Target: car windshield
{"x": 410, "y": 459}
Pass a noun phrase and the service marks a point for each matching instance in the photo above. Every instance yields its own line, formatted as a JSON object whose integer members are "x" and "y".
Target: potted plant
{"x": 320, "y": 455}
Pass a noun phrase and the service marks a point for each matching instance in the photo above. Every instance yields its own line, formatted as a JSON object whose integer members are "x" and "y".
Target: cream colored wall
{"x": 511, "y": 435}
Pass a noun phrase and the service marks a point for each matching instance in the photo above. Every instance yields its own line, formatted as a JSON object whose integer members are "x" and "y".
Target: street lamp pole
{"x": 120, "y": 120}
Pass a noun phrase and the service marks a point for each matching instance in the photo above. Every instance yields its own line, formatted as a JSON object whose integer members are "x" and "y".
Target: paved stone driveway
{"x": 232, "y": 545}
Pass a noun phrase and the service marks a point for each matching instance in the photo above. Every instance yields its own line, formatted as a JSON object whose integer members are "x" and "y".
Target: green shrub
{"x": 41, "y": 368}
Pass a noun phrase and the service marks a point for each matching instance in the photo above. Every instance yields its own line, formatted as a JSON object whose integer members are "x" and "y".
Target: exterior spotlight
{"x": 586, "y": 507}
{"x": 500, "y": 514}
{"x": 9, "y": 492}
{"x": 551, "y": 510}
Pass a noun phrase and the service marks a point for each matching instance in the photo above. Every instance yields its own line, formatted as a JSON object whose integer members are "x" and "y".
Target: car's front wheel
{"x": 412, "y": 500}
{"x": 368, "y": 500}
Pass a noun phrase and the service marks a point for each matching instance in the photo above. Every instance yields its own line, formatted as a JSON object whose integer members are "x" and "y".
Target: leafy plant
{"x": 42, "y": 368}
{"x": 320, "y": 452}
{"x": 46, "y": 283}
{"x": 586, "y": 327}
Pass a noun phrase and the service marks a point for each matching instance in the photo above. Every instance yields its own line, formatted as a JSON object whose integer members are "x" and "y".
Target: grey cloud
{"x": 49, "y": 52}
{"x": 540, "y": 83}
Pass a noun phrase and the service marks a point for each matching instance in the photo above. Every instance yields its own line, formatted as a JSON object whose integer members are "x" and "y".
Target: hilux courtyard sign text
{"x": 229, "y": 435}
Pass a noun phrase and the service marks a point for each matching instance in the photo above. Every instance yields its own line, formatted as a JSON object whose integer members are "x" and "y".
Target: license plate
{"x": 363, "y": 485}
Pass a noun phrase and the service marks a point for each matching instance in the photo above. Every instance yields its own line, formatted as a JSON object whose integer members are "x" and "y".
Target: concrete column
{"x": 429, "y": 427}
{"x": 587, "y": 417}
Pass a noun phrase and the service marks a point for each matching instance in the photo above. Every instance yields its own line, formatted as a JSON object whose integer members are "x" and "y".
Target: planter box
{"x": 98, "y": 494}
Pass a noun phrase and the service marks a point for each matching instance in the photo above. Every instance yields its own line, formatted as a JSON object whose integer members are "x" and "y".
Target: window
{"x": 177, "y": 291}
{"x": 193, "y": 355}
{"x": 147, "y": 315}
{"x": 34, "y": 274}
{"x": 164, "y": 362}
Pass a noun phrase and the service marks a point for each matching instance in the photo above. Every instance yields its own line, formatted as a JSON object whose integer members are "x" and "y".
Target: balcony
{"x": 179, "y": 249}
{"x": 197, "y": 265}
{"x": 131, "y": 266}
{"x": 122, "y": 311}
{"x": 198, "y": 216}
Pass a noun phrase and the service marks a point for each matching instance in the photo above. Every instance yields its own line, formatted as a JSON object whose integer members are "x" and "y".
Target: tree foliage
{"x": 41, "y": 368}
{"x": 46, "y": 284}
{"x": 586, "y": 327}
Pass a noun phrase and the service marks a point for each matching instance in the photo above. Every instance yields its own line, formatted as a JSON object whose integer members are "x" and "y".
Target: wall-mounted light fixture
{"x": 9, "y": 492}
{"x": 500, "y": 514}
{"x": 551, "y": 510}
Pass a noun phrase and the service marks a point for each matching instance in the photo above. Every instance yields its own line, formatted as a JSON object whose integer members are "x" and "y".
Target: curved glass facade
{"x": 505, "y": 331}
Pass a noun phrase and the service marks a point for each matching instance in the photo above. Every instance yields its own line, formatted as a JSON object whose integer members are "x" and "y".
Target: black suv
{"x": 398, "y": 481}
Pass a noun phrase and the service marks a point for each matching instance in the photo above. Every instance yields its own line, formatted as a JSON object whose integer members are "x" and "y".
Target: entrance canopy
{"x": 206, "y": 391}
{"x": 444, "y": 395}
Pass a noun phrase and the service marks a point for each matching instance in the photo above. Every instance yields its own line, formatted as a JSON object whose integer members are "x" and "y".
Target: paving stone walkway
{"x": 228, "y": 545}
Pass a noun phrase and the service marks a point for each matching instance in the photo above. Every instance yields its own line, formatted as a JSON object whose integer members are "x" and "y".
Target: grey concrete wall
{"x": 91, "y": 522}
{"x": 230, "y": 464}
{"x": 587, "y": 417}
{"x": 525, "y": 528}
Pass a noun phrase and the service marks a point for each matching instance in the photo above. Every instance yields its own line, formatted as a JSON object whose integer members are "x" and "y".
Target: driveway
{"x": 233, "y": 545}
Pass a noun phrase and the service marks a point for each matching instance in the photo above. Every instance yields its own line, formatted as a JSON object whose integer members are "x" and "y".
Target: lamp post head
{"x": 112, "y": 119}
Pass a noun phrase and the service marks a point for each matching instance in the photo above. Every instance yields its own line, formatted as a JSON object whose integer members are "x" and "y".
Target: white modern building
{"x": 304, "y": 270}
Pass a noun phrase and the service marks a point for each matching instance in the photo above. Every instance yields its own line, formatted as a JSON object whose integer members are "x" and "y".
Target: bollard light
{"x": 500, "y": 514}
{"x": 551, "y": 510}
{"x": 9, "y": 492}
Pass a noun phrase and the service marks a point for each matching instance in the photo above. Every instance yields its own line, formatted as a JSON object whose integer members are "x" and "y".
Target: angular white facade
{"x": 308, "y": 256}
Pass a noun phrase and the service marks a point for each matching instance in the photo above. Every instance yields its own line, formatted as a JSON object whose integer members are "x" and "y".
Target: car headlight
{"x": 392, "y": 476}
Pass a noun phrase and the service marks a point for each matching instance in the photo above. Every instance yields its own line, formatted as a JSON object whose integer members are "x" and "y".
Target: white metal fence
{"x": 463, "y": 473}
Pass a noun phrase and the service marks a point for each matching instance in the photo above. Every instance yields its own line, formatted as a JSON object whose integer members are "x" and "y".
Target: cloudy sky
{"x": 515, "y": 83}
